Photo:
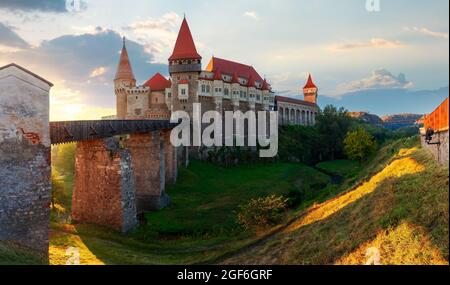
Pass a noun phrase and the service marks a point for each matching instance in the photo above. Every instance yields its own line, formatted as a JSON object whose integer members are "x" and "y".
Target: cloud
{"x": 380, "y": 79}
{"x": 10, "y": 39}
{"x": 373, "y": 43}
{"x": 98, "y": 71}
{"x": 58, "y": 6}
{"x": 82, "y": 67}
{"x": 252, "y": 15}
{"x": 158, "y": 34}
{"x": 427, "y": 32}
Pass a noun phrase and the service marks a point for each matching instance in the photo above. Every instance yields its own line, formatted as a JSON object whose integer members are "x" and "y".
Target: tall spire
{"x": 184, "y": 46}
{"x": 124, "y": 70}
{"x": 310, "y": 83}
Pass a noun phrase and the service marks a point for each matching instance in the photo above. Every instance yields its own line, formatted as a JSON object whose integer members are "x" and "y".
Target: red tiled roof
{"x": 184, "y": 46}
{"x": 235, "y": 78}
{"x": 265, "y": 85}
{"x": 183, "y": 81}
{"x": 158, "y": 82}
{"x": 217, "y": 74}
{"x": 124, "y": 70}
{"x": 293, "y": 101}
{"x": 251, "y": 81}
{"x": 231, "y": 67}
{"x": 310, "y": 83}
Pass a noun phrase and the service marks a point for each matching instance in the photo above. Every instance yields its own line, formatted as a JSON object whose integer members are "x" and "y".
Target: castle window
{"x": 203, "y": 88}
{"x": 208, "y": 88}
{"x": 183, "y": 91}
{"x": 225, "y": 91}
{"x": 169, "y": 94}
{"x": 216, "y": 90}
{"x": 156, "y": 100}
{"x": 258, "y": 97}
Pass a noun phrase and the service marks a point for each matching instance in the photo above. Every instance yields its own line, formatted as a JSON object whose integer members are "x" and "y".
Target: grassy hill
{"x": 400, "y": 210}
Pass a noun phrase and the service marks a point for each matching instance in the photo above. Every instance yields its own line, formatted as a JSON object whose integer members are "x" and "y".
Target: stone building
{"x": 223, "y": 86}
{"x": 299, "y": 112}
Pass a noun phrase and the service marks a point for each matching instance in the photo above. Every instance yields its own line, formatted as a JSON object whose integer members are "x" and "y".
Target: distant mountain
{"x": 401, "y": 120}
{"x": 366, "y": 117}
{"x": 389, "y": 101}
{"x": 392, "y": 122}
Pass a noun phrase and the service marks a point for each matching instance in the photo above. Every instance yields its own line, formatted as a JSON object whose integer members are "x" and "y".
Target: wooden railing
{"x": 438, "y": 120}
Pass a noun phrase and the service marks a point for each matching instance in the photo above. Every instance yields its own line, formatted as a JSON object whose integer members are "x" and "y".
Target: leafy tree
{"x": 63, "y": 158}
{"x": 359, "y": 144}
{"x": 332, "y": 125}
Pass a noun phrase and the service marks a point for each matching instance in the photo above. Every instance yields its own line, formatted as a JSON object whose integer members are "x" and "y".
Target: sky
{"x": 387, "y": 60}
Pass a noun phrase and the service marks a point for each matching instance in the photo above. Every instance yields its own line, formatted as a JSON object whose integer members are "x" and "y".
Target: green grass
{"x": 11, "y": 254}
{"x": 206, "y": 197}
{"x": 419, "y": 200}
{"x": 199, "y": 226}
{"x": 343, "y": 167}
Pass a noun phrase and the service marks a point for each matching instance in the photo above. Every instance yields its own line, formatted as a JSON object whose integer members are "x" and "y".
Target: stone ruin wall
{"x": 25, "y": 187}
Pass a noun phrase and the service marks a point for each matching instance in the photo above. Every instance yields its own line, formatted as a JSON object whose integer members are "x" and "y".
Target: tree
{"x": 332, "y": 125}
{"x": 359, "y": 144}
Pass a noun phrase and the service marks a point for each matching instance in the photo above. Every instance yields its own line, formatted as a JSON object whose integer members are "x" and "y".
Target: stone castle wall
{"x": 25, "y": 186}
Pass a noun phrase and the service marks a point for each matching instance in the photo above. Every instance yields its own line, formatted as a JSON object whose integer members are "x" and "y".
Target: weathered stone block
{"x": 25, "y": 186}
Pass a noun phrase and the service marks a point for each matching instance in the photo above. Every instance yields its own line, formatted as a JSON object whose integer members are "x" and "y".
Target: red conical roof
{"x": 217, "y": 75}
{"x": 184, "y": 46}
{"x": 158, "y": 82}
{"x": 235, "y": 78}
{"x": 124, "y": 70}
{"x": 251, "y": 82}
{"x": 309, "y": 83}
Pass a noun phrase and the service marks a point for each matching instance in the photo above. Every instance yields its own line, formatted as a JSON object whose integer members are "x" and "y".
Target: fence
{"x": 438, "y": 120}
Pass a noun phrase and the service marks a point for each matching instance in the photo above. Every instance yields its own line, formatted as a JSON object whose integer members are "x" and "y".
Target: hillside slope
{"x": 400, "y": 215}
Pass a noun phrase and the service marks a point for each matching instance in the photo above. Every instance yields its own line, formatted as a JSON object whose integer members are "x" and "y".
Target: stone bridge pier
{"x": 118, "y": 178}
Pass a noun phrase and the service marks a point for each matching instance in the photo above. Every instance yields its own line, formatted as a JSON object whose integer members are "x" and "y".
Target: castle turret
{"x": 310, "y": 91}
{"x": 184, "y": 68}
{"x": 124, "y": 79}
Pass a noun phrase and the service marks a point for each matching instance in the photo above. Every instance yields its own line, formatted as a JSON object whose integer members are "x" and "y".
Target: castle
{"x": 223, "y": 86}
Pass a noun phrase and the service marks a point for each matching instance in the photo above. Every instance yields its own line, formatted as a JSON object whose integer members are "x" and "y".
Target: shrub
{"x": 359, "y": 145}
{"x": 261, "y": 212}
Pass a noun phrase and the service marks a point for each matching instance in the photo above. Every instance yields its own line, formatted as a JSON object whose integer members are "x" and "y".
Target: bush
{"x": 359, "y": 145}
{"x": 262, "y": 212}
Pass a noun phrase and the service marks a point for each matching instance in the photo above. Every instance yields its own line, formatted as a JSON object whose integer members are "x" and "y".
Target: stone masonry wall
{"x": 104, "y": 185}
{"x": 25, "y": 186}
{"x": 147, "y": 151}
{"x": 439, "y": 151}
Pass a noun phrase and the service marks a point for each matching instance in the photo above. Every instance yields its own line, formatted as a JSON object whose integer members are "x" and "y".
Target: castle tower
{"x": 310, "y": 91}
{"x": 184, "y": 68}
{"x": 124, "y": 79}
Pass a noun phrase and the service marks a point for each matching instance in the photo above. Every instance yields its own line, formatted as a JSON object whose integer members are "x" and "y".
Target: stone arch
{"x": 286, "y": 116}
{"x": 292, "y": 117}
{"x": 303, "y": 117}
{"x": 297, "y": 117}
{"x": 280, "y": 115}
